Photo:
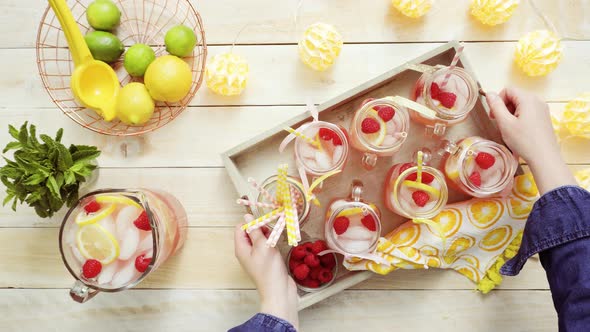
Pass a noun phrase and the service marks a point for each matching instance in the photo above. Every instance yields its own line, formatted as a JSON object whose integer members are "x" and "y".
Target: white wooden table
{"x": 203, "y": 288}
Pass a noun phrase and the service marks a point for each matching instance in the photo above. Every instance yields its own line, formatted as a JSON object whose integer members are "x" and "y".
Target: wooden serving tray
{"x": 259, "y": 157}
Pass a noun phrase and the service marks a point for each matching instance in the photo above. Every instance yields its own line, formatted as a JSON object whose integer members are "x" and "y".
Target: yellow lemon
{"x": 95, "y": 242}
{"x": 458, "y": 246}
{"x": 102, "y": 199}
{"x": 470, "y": 272}
{"x": 86, "y": 219}
{"x": 377, "y": 138}
{"x": 519, "y": 209}
{"x": 168, "y": 78}
{"x": 485, "y": 213}
{"x": 496, "y": 239}
{"x": 422, "y": 186}
{"x": 406, "y": 235}
{"x": 135, "y": 106}
{"x": 450, "y": 221}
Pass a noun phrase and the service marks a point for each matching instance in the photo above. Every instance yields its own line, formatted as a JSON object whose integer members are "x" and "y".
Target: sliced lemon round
{"x": 117, "y": 200}
{"x": 377, "y": 138}
{"x": 421, "y": 186}
{"x": 355, "y": 210}
{"x": 95, "y": 242}
{"x": 86, "y": 219}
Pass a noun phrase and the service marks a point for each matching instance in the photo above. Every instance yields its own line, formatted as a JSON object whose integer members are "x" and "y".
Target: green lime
{"x": 137, "y": 58}
{"x": 180, "y": 40}
{"x": 104, "y": 46}
{"x": 103, "y": 15}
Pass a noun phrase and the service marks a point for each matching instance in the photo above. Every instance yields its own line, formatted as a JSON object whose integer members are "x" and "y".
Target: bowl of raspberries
{"x": 311, "y": 271}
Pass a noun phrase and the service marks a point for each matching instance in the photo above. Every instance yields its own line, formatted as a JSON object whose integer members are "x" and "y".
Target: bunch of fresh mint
{"x": 45, "y": 174}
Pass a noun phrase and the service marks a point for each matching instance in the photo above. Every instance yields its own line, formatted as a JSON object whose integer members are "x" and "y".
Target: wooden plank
{"x": 214, "y": 310}
{"x": 176, "y": 146}
{"x": 30, "y": 259}
{"x": 277, "y": 77}
{"x": 374, "y": 21}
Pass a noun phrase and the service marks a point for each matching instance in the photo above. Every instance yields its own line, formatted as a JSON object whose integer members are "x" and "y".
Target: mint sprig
{"x": 45, "y": 174}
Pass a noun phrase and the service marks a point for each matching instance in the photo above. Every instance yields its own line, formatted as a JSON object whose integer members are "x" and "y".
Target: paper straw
{"x": 420, "y": 156}
{"x": 309, "y": 140}
{"x": 285, "y": 198}
{"x": 274, "y": 236}
{"x": 265, "y": 219}
{"x": 452, "y": 66}
{"x": 263, "y": 191}
{"x": 295, "y": 199}
{"x": 246, "y": 202}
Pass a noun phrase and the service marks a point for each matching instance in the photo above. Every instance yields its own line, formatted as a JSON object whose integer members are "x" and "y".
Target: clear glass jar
{"x": 270, "y": 185}
{"x": 332, "y": 153}
{"x": 322, "y": 287}
{"x": 459, "y": 83}
{"x": 390, "y": 136}
{"x": 464, "y": 173}
{"x": 113, "y": 223}
{"x": 363, "y": 224}
{"x": 398, "y": 196}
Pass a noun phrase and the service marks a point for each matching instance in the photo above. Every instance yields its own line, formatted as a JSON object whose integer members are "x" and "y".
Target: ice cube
{"x": 129, "y": 243}
{"x": 338, "y": 151}
{"x": 389, "y": 140}
{"x": 390, "y": 127}
{"x": 352, "y": 246}
{"x": 146, "y": 244}
{"x": 70, "y": 236}
{"x": 127, "y": 216}
{"x": 107, "y": 273}
{"x": 311, "y": 163}
{"x": 126, "y": 273}
{"x": 491, "y": 179}
{"x": 108, "y": 223}
{"x": 76, "y": 253}
{"x": 357, "y": 233}
{"x": 323, "y": 160}
{"x": 307, "y": 151}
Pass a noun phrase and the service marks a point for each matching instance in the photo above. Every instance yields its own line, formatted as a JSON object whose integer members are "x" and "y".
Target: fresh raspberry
{"x": 310, "y": 283}
{"x": 336, "y": 140}
{"x": 327, "y": 134}
{"x": 301, "y": 272}
{"x": 405, "y": 167}
{"x": 434, "y": 90}
{"x": 315, "y": 272}
{"x": 293, "y": 264}
{"x": 420, "y": 197}
{"x": 485, "y": 160}
{"x": 426, "y": 177}
{"x": 325, "y": 276}
{"x": 91, "y": 268}
{"x": 307, "y": 246}
{"x": 370, "y": 126}
{"x": 318, "y": 246}
{"x": 143, "y": 222}
{"x": 311, "y": 260}
{"x": 447, "y": 99}
{"x": 299, "y": 253}
{"x": 341, "y": 225}
{"x": 385, "y": 112}
{"x": 142, "y": 263}
{"x": 368, "y": 100}
{"x": 475, "y": 178}
{"x": 328, "y": 261}
{"x": 92, "y": 207}
{"x": 369, "y": 222}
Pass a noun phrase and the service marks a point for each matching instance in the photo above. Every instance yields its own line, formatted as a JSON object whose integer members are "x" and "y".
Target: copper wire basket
{"x": 142, "y": 21}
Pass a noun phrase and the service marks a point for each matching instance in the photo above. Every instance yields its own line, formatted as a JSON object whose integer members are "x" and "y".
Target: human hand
{"x": 525, "y": 124}
{"x": 265, "y": 266}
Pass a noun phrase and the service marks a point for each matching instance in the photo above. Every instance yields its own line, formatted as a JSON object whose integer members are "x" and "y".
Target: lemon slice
{"x": 319, "y": 142}
{"x": 117, "y": 200}
{"x": 421, "y": 186}
{"x": 377, "y": 138}
{"x": 95, "y": 242}
{"x": 86, "y": 219}
{"x": 354, "y": 211}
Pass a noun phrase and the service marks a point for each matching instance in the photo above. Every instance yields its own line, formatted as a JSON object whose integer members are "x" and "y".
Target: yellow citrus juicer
{"x": 94, "y": 83}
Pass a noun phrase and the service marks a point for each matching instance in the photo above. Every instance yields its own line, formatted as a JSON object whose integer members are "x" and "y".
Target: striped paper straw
{"x": 285, "y": 198}
{"x": 452, "y": 66}
{"x": 309, "y": 140}
{"x": 295, "y": 201}
{"x": 246, "y": 202}
{"x": 263, "y": 191}
{"x": 274, "y": 236}
{"x": 264, "y": 223}
{"x": 419, "y": 162}
{"x": 265, "y": 219}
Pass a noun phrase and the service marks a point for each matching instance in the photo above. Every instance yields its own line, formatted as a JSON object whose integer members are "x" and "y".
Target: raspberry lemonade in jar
{"x": 352, "y": 226}
{"x": 379, "y": 129}
{"x": 112, "y": 239}
{"x": 450, "y": 92}
{"x": 322, "y": 148}
{"x": 415, "y": 191}
{"x": 478, "y": 167}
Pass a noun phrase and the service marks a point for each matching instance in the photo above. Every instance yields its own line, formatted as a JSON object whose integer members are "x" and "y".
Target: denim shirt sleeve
{"x": 559, "y": 230}
{"x": 264, "y": 323}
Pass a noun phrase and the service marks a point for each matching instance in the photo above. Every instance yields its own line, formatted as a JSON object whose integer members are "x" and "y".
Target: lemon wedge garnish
{"x": 421, "y": 186}
{"x": 319, "y": 142}
{"x": 117, "y": 200}
{"x": 86, "y": 219}
{"x": 354, "y": 211}
{"x": 95, "y": 242}
{"x": 377, "y": 138}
